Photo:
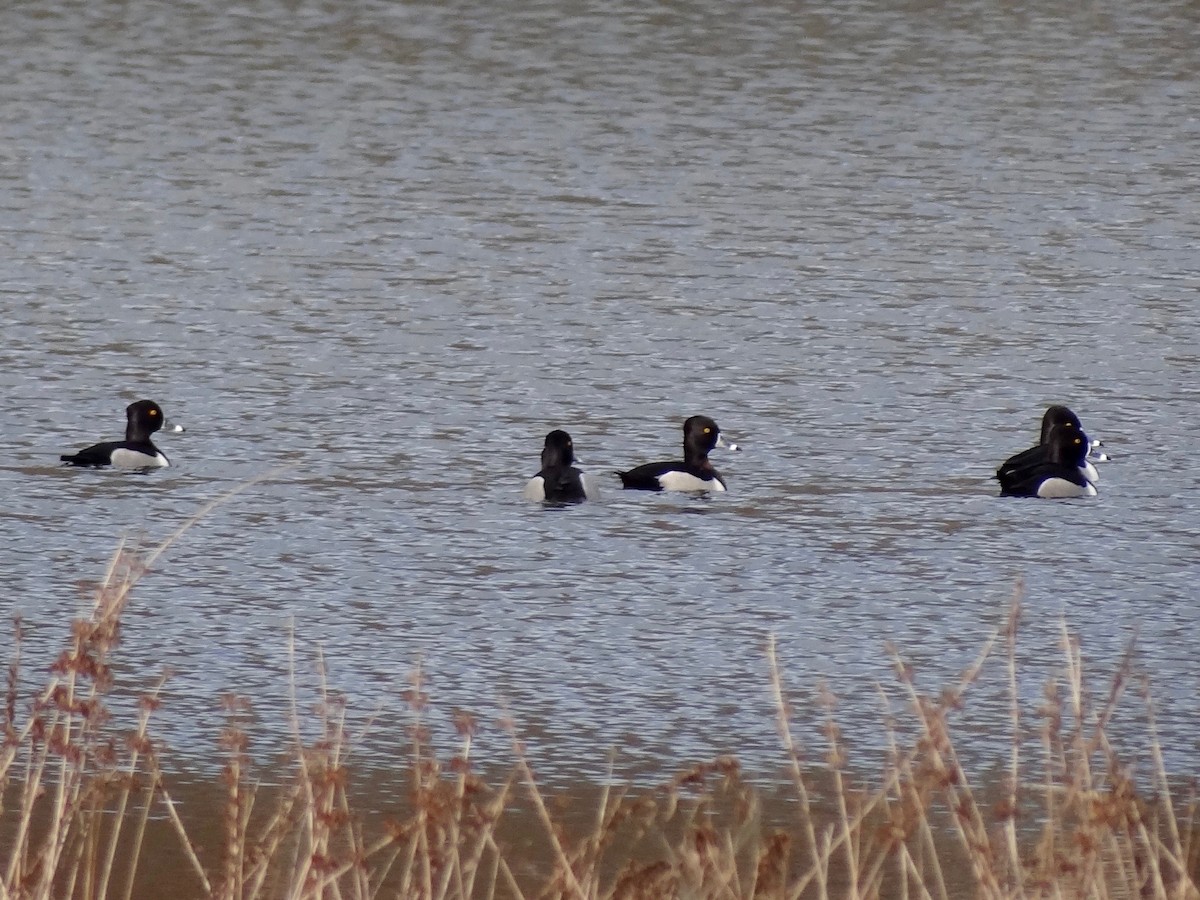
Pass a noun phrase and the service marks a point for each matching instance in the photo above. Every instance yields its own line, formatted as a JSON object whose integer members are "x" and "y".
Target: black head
{"x": 142, "y": 419}
{"x": 1067, "y": 444}
{"x": 1059, "y": 416}
{"x": 700, "y": 435}
{"x": 559, "y": 450}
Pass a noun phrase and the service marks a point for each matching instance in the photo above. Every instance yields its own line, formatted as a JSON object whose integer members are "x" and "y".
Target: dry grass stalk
{"x": 77, "y": 801}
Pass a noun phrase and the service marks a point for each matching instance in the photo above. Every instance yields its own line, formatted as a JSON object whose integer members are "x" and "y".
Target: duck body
{"x": 559, "y": 481}
{"x": 1017, "y": 467}
{"x": 1056, "y": 473}
{"x": 672, "y": 476}
{"x": 120, "y": 455}
{"x": 137, "y": 451}
{"x": 693, "y": 473}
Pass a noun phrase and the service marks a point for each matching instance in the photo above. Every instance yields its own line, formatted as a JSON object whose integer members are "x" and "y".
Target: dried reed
{"x": 79, "y": 794}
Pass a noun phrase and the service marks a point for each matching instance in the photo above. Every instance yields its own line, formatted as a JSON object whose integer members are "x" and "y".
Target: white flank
{"x": 535, "y": 489}
{"x": 1088, "y": 471}
{"x": 683, "y": 481}
{"x": 1060, "y": 488}
{"x": 123, "y": 458}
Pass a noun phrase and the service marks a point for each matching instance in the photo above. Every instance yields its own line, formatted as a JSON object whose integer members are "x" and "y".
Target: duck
{"x": 559, "y": 481}
{"x": 694, "y": 473}
{"x": 1058, "y": 473}
{"x": 137, "y": 451}
{"x": 1057, "y": 416}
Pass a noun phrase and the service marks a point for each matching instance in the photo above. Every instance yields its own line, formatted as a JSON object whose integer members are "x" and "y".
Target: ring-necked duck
{"x": 694, "y": 473}
{"x": 1059, "y": 474}
{"x": 1012, "y": 469}
{"x": 143, "y": 418}
{"x": 559, "y": 481}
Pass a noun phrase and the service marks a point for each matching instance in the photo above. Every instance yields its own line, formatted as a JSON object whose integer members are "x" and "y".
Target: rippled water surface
{"x": 395, "y": 244}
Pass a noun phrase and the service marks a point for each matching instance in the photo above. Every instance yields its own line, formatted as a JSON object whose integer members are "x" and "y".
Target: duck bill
{"x": 726, "y": 445}
{"x": 172, "y": 428}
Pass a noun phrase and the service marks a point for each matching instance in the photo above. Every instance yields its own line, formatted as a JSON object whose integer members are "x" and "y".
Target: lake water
{"x": 395, "y": 244}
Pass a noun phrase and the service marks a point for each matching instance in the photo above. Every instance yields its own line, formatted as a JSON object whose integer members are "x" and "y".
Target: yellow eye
{"x": 154, "y": 412}
{"x": 708, "y": 431}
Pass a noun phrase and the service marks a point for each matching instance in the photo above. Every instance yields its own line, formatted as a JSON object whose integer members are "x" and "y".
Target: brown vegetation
{"x": 87, "y": 809}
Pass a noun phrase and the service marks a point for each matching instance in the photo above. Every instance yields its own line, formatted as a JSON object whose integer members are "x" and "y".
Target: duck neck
{"x": 696, "y": 457}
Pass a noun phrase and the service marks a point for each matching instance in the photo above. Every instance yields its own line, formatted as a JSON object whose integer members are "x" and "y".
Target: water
{"x": 394, "y": 245}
